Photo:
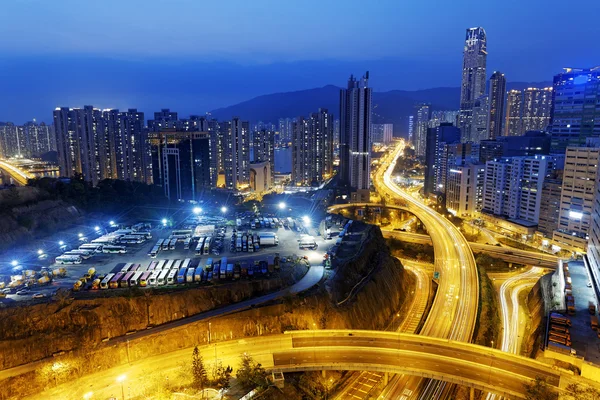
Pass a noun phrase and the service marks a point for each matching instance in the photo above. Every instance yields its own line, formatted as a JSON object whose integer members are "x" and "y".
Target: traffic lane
{"x": 483, "y": 356}
{"x": 494, "y": 379}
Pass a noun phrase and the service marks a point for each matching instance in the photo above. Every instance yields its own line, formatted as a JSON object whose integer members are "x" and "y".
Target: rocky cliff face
{"x": 26, "y": 213}
{"x": 37, "y": 331}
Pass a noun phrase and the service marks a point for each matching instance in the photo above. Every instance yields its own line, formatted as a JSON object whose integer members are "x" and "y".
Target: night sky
{"x": 194, "y": 55}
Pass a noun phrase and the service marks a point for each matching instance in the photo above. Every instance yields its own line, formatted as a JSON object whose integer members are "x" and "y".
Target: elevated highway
{"x": 508, "y": 254}
{"x": 19, "y": 177}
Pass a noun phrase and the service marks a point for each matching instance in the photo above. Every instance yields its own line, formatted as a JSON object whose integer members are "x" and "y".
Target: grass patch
{"x": 488, "y": 322}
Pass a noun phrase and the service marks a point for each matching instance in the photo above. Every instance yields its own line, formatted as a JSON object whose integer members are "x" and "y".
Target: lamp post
{"x": 121, "y": 380}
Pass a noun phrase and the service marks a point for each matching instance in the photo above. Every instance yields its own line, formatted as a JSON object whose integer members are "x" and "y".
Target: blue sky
{"x": 199, "y": 55}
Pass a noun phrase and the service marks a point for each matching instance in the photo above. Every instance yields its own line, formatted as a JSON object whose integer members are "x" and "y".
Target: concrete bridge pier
{"x": 386, "y": 378}
{"x": 472, "y": 393}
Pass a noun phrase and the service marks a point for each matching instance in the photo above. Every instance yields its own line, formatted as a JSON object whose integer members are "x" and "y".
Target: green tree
{"x": 199, "y": 374}
{"x": 221, "y": 377}
{"x": 576, "y": 392}
{"x": 538, "y": 389}
{"x": 250, "y": 373}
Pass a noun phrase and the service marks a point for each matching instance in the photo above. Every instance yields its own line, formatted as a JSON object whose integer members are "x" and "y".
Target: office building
{"x": 464, "y": 189}
{"x": 513, "y": 187}
{"x": 355, "y": 139}
{"x": 537, "y": 109}
{"x": 577, "y": 197}
{"x": 576, "y": 108}
{"x": 423, "y": 114}
{"x": 236, "y": 163}
{"x": 382, "y": 133}
{"x": 550, "y": 203}
{"x": 529, "y": 144}
{"x": 181, "y": 163}
{"x": 496, "y": 104}
{"x": 473, "y": 79}
{"x": 451, "y": 155}
{"x": 513, "y": 125}
{"x": 446, "y": 133}
{"x": 312, "y": 148}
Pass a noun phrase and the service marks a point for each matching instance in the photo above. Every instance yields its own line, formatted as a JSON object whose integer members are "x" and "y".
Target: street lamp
{"x": 14, "y": 263}
{"x": 40, "y": 252}
{"x": 80, "y": 234}
{"x": 282, "y": 205}
{"x": 88, "y": 395}
{"x": 223, "y": 209}
{"x": 96, "y": 228}
{"x": 121, "y": 380}
{"x": 112, "y": 223}
{"x": 164, "y": 221}
{"x": 197, "y": 210}
{"x": 61, "y": 243}
{"x": 306, "y": 220}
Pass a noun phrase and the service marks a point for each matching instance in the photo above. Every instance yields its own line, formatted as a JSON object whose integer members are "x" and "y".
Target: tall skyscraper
{"x": 576, "y": 107}
{"x": 473, "y": 78}
{"x": 423, "y": 114}
{"x": 480, "y": 124}
{"x": 496, "y": 104}
{"x": 236, "y": 142}
{"x": 181, "y": 163}
{"x": 133, "y": 152}
{"x": 439, "y": 117}
{"x": 355, "y": 126}
{"x": 514, "y": 113}
{"x": 537, "y": 109}
{"x": 411, "y": 128}
{"x": 312, "y": 151}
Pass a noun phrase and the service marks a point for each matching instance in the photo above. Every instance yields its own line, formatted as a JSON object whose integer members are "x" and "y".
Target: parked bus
{"x": 104, "y": 283}
{"x": 154, "y": 252}
{"x": 165, "y": 244}
{"x": 189, "y": 275}
{"x": 182, "y": 234}
{"x": 135, "y": 267}
{"x": 186, "y": 263}
{"x": 135, "y": 279}
{"x": 177, "y": 264}
{"x": 198, "y": 274}
{"x": 145, "y": 234}
{"x": 160, "y": 242}
{"x": 209, "y": 264}
{"x": 153, "y": 280}
{"x": 207, "y": 245}
{"x": 162, "y": 277}
{"x": 307, "y": 243}
{"x": 151, "y": 266}
{"x": 66, "y": 259}
{"x": 200, "y": 247}
{"x": 159, "y": 266}
{"x": 132, "y": 239}
{"x": 124, "y": 282}
{"x": 186, "y": 243}
{"x": 114, "y": 249}
{"x": 172, "y": 276}
{"x": 126, "y": 267}
{"x": 85, "y": 254}
{"x": 229, "y": 272}
{"x": 172, "y": 244}
{"x": 181, "y": 275}
{"x": 114, "y": 282}
{"x": 168, "y": 264}
{"x": 95, "y": 247}
{"x": 223, "y": 271}
{"x": 145, "y": 278}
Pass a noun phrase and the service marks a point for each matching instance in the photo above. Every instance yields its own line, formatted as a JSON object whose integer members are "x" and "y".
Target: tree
{"x": 576, "y": 392}
{"x": 221, "y": 377}
{"x": 538, "y": 389}
{"x": 199, "y": 374}
{"x": 250, "y": 373}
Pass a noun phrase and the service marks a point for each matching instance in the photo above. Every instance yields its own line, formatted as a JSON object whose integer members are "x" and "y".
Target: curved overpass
{"x": 456, "y": 362}
{"x": 16, "y": 174}
{"x": 508, "y": 254}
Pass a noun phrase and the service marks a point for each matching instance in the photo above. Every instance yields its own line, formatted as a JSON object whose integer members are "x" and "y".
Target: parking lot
{"x": 287, "y": 247}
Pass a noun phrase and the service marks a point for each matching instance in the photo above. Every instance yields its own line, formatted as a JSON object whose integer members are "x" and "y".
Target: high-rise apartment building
{"x": 131, "y": 146}
{"x": 355, "y": 139}
{"x": 576, "y": 107}
{"x": 263, "y": 149}
{"x": 236, "y": 143}
{"x": 411, "y": 128}
{"x": 423, "y": 114}
{"x": 312, "y": 148}
{"x": 285, "y": 130}
{"x": 537, "y": 109}
{"x": 382, "y": 133}
{"x": 479, "y": 126}
{"x": 496, "y": 104}
{"x": 473, "y": 78}
{"x": 529, "y": 144}
{"x": 550, "y": 204}
{"x": 513, "y": 187}
{"x": 513, "y": 125}
{"x": 464, "y": 189}
{"x": 164, "y": 119}
{"x": 181, "y": 163}
{"x": 577, "y": 197}
{"x": 439, "y": 117}
{"x": 446, "y": 133}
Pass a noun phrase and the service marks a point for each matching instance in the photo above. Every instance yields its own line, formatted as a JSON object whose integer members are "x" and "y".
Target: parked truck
{"x": 557, "y": 339}
{"x": 560, "y": 319}
{"x": 561, "y": 348}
